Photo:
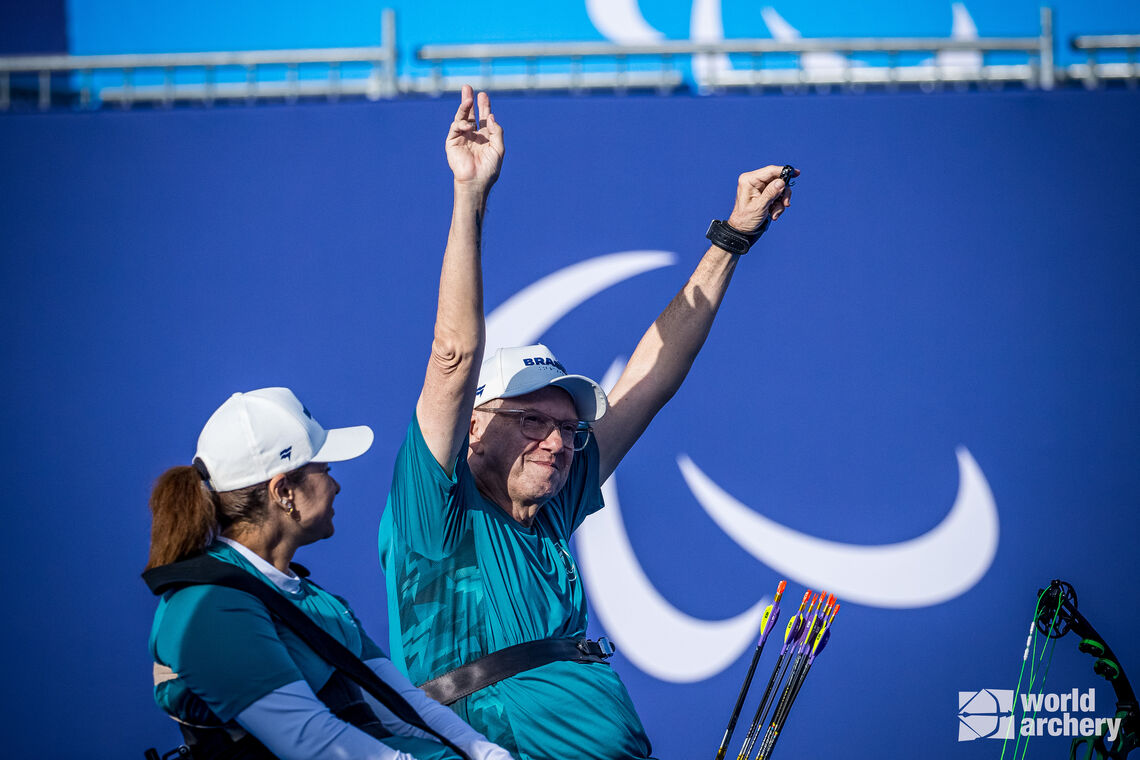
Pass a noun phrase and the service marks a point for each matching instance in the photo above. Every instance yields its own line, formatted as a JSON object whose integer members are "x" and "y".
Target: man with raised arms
{"x": 499, "y": 467}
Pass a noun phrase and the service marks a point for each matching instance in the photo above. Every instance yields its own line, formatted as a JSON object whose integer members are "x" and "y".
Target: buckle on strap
{"x": 601, "y": 648}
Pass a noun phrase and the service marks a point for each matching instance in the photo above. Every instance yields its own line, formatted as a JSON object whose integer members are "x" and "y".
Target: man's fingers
{"x": 771, "y": 192}
{"x": 488, "y": 125}
{"x": 774, "y": 192}
{"x": 785, "y": 196}
{"x": 495, "y": 134}
{"x": 761, "y": 177}
{"x": 781, "y": 204}
{"x": 484, "y": 106}
{"x": 466, "y": 102}
{"x": 762, "y": 193}
{"x": 460, "y": 128}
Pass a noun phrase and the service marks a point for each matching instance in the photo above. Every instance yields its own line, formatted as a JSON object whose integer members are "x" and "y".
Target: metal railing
{"x": 207, "y": 77}
{"x": 374, "y": 72}
{"x": 844, "y": 62}
{"x": 1095, "y": 70}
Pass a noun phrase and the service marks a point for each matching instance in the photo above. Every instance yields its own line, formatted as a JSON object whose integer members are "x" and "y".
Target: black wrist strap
{"x": 730, "y": 239}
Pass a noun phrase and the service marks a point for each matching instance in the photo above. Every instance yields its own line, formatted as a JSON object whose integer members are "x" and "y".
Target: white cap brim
{"x": 344, "y": 443}
{"x": 589, "y": 399}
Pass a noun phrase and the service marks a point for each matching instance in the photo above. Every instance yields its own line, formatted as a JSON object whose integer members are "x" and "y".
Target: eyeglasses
{"x": 537, "y": 426}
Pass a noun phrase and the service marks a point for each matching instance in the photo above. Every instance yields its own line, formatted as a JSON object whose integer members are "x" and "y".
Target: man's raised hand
{"x": 760, "y": 194}
{"x": 475, "y": 151}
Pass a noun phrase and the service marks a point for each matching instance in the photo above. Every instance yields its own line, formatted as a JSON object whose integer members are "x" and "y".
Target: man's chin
{"x": 542, "y": 492}
{"x": 551, "y": 489}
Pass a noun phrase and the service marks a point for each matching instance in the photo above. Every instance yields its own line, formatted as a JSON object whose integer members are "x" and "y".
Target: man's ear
{"x": 474, "y": 433}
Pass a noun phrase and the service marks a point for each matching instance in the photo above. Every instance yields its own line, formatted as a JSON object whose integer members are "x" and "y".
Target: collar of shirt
{"x": 289, "y": 582}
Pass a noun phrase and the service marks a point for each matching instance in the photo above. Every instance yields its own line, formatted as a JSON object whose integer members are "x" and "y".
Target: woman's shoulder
{"x": 207, "y": 611}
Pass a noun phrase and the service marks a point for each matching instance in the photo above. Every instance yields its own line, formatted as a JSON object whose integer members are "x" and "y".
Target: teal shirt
{"x": 464, "y": 579}
{"x": 229, "y": 652}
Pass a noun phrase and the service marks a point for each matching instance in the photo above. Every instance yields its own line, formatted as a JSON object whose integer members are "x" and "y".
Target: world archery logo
{"x": 989, "y": 714}
{"x": 985, "y": 714}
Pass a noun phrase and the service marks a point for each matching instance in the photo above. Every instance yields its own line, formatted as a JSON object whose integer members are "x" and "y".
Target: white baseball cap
{"x": 511, "y": 372}
{"x": 256, "y": 435}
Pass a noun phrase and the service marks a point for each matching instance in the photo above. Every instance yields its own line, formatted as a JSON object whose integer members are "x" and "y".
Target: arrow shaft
{"x": 762, "y": 708}
{"x": 773, "y": 728}
{"x": 781, "y": 719}
{"x": 739, "y": 702}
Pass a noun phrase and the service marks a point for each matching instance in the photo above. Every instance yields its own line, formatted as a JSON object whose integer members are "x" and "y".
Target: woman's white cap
{"x": 256, "y": 435}
{"x": 510, "y": 372}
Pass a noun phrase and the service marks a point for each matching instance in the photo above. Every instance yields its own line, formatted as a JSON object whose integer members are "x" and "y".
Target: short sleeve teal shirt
{"x": 464, "y": 579}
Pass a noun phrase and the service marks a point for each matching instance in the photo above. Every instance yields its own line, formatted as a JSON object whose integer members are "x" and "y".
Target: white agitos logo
{"x": 621, "y": 21}
{"x": 672, "y": 646}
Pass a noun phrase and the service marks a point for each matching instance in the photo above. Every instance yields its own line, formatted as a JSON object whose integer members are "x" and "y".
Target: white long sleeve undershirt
{"x": 293, "y": 723}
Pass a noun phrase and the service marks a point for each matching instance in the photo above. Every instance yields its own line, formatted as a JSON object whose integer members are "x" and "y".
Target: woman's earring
{"x": 290, "y": 509}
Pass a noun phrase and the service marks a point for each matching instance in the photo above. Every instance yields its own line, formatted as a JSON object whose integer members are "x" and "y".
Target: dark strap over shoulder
{"x": 496, "y": 666}
{"x": 208, "y": 570}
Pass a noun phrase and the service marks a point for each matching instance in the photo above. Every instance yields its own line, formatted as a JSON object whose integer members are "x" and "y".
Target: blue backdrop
{"x": 956, "y": 270}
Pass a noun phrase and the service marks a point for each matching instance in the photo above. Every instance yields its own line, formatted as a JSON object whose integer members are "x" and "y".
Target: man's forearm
{"x": 667, "y": 351}
{"x": 664, "y": 355}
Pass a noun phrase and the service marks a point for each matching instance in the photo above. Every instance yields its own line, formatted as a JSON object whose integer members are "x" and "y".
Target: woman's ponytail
{"x": 183, "y": 516}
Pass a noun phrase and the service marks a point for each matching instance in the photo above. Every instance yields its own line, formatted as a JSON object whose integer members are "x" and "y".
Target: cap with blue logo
{"x": 256, "y": 435}
{"x": 510, "y": 372}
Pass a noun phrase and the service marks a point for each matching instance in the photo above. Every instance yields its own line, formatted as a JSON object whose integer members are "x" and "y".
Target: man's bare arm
{"x": 666, "y": 352}
{"x": 475, "y": 154}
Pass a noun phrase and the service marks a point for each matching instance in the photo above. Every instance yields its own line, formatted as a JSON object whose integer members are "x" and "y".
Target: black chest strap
{"x": 208, "y": 570}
